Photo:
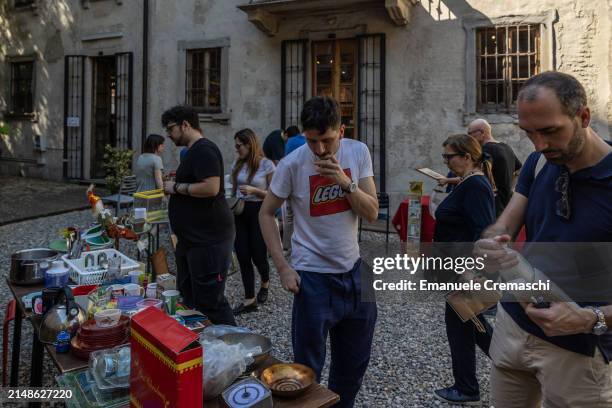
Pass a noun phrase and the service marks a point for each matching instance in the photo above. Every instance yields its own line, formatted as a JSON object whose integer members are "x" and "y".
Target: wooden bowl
{"x": 288, "y": 380}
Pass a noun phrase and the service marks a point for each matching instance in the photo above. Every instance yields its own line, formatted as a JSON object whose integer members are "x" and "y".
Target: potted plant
{"x": 117, "y": 164}
{"x": 4, "y": 131}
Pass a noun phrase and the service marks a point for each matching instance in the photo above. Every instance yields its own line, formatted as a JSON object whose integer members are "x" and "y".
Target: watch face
{"x": 600, "y": 329}
{"x": 352, "y": 187}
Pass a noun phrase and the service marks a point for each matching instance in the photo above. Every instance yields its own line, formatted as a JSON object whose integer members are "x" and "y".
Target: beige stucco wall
{"x": 425, "y": 67}
{"x": 49, "y": 32}
{"x": 426, "y": 86}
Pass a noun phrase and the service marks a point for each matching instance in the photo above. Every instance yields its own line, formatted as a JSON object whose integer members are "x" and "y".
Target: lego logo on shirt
{"x": 326, "y": 197}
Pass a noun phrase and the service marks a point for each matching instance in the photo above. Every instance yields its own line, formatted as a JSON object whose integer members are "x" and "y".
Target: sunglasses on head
{"x": 564, "y": 205}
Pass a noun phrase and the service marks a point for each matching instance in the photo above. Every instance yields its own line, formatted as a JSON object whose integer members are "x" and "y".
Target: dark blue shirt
{"x": 590, "y": 221}
{"x": 466, "y": 212}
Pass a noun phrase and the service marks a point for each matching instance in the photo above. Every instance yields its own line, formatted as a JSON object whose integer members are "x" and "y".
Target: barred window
{"x": 506, "y": 57}
{"x": 22, "y": 87}
{"x": 23, "y": 3}
{"x": 203, "y": 79}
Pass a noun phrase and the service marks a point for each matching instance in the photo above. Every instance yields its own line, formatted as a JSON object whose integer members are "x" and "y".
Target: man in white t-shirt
{"x": 329, "y": 183}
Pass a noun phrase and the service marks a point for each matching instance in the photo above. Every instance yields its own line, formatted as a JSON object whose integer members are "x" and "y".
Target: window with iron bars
{"x": 22, "y": 87}
{"x": 203, "y": 79}
{"x": 23, "y": 3}
{"x": 506, "y": 57}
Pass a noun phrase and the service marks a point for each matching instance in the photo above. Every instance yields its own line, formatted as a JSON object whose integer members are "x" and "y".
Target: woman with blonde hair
{"x": 251, "y": 176}
{"x": 461, "y": 218}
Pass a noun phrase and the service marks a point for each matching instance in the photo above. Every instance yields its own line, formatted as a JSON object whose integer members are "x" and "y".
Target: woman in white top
{"x": 251, "y": 176}
{"x": 149, "y": 166}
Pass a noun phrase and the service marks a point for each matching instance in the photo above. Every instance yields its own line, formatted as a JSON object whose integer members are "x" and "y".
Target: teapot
{"x": 66, "y": 315}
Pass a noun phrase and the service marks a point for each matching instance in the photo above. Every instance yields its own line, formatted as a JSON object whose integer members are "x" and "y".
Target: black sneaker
{"x": 262, "y": 295}
{"x": 242, "y": 308}
{"x": 453, "y": 396}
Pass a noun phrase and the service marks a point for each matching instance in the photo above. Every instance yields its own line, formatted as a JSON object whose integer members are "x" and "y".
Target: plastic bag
{"x": 216, "y": 331}
{"x": 223, "y": 363}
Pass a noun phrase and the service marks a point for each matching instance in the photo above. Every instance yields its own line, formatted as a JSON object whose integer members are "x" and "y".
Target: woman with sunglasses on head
{"x": 461, "y": 218}
{"x": 251, "y": 177}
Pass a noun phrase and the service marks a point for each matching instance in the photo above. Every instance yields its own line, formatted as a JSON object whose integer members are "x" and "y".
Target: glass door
{"x": 334, "y": 75}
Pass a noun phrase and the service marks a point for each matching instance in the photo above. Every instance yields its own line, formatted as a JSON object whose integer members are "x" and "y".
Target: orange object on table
{"x": 428, "y": 224}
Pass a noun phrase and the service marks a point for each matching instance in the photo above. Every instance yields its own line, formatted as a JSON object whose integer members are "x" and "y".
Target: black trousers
{"x": 462, "y": 339}
{"x": 201, "y": 275}
{"x": 251, "y": 247}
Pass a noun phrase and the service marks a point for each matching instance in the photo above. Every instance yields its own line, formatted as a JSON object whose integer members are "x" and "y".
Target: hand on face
{"x": 331, "y": 168}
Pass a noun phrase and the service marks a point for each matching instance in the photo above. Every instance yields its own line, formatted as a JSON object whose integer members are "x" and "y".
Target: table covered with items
{"x": 121, "y": 337}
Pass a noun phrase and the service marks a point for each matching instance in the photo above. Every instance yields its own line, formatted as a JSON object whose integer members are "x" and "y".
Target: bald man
{"x": 505, "y": 162}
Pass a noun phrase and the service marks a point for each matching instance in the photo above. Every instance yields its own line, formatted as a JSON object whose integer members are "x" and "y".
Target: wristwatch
{"x": 351, "y": 188}
{"x": 600, "y": 325}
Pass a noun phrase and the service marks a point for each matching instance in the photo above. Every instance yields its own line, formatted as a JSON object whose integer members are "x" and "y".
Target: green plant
{"x": 4, "y": 129}
{"x": 117, "y": 164}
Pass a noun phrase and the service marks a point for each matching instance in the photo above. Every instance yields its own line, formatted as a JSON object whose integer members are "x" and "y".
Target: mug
{"x": 133, "y": 289}
{"x": 170, "y": 298}
{"x": 116, "y": 290}
{"x": 151, "y": 291}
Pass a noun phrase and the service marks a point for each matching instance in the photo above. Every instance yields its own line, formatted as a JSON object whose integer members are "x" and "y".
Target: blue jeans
{"x": 331, "y": 303}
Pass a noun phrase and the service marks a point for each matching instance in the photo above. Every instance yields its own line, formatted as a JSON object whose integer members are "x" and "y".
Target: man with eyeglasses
{"x": 200, "y": 217}
{"x": 555, "y": 353}
{"x": 504, "y": 161}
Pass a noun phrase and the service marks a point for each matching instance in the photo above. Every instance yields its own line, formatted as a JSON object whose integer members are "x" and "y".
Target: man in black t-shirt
{"x": 200, "y": 218}
{"x": 505, "y": 162}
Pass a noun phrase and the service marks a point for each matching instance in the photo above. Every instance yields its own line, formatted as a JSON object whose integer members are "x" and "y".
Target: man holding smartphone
{"x": 555, "y": 354}
{"x": 329, "y": 183}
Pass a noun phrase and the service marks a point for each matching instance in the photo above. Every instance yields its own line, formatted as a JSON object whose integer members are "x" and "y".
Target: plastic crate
{"x": 155, "y": 203}
{"x": 81, "y": 276}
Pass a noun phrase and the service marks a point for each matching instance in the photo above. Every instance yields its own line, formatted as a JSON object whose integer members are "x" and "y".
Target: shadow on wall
{"x": 16, "y": 32}
{"x": 424, "y": 129}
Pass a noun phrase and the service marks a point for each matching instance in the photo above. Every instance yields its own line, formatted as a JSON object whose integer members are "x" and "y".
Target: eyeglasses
{"x": 238, "y": 145}
{"x": 169, "y": 127}
{"x": 564, "y": 205}
{"x": 448, "y": 156}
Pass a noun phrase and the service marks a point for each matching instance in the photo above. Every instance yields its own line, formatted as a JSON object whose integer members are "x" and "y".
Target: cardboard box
{"x": 165, "y": 282}
{"x": 166, "y": 362}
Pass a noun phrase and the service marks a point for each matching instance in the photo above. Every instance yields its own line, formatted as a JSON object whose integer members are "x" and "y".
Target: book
{"x": 430, "y": 173}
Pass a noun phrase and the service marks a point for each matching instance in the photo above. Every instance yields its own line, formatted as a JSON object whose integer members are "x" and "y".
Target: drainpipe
{"x": 145, "y": 69}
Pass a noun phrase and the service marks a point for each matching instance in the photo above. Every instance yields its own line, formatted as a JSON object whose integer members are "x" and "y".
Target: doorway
{"x": 334, "y": 74}
{"x": 103, "y": 112}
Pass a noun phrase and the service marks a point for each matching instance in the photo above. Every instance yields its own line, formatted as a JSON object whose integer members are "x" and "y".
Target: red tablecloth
{"x": 428, "y": 224}
{"x": 400, "y": 220}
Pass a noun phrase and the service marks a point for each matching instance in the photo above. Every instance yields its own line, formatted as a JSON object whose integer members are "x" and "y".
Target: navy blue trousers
{"x": 331, "y": 304}
{"x": 462, "y": 339}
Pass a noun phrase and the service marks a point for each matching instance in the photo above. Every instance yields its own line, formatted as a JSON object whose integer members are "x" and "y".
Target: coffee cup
{"x": 151, "y": 291}
{"x": 133, "y": 289}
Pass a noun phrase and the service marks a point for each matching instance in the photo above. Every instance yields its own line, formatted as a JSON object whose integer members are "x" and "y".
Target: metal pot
{"x": 25, "y": 265}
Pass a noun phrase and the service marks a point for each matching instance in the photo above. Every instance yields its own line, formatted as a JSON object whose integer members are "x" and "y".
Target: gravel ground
{"x": 410, "y": 356}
